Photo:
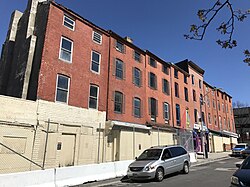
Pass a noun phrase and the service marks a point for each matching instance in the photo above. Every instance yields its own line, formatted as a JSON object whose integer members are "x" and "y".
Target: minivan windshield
{"x": 150, "y": 154}
{"x": 240, "y": 146}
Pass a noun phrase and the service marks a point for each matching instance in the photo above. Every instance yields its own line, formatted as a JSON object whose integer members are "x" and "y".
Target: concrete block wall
{"x": 29, "y": 120}
{"x": 18, "y": 110}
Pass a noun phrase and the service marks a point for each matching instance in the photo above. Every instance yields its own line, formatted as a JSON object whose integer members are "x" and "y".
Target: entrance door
{"x": 67, "y": 150}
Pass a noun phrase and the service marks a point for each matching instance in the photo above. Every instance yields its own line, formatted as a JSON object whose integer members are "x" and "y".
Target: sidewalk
{"x": 212, "y": 157}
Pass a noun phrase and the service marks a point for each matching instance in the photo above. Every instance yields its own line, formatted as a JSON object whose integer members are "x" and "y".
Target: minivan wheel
{"x": 159, "y": 174}
{"x": 185, "y": 169}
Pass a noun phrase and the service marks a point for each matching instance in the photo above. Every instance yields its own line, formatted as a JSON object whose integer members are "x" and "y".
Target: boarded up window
{"x": 18, "y": 144}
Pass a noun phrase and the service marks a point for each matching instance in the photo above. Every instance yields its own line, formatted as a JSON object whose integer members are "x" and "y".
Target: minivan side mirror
{"x": 136, "y": 158}
{"x": 238, "y": 165}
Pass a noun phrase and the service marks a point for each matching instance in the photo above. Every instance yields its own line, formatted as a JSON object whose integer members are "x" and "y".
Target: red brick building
{"x": 158, "y": 91}
{"x": 75, "y": 53}
{"x": 80, "y": 64}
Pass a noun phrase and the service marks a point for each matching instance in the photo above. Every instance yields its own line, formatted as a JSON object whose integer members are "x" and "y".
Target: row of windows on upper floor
{"x": 67, "y": 48}
{"x": 70, "y": 23}
{"x": 176, "y": 75}
{"x": 66, "y": 55}
{"x": 97, "y": 37}
{"x": 218, "y": 94}
{"x": 207, "y": 101}
{"x": 62, "y": 94}
{"x": 137, "y": 75}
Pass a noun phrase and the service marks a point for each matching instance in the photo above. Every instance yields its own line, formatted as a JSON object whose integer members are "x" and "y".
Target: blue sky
{"x": 159, "y": 26}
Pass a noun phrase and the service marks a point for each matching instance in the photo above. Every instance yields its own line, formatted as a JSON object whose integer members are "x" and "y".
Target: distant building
{"x": 242, "y": 124}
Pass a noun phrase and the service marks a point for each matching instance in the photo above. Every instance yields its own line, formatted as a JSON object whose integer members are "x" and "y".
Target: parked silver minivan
{"x": 159, "y": 161}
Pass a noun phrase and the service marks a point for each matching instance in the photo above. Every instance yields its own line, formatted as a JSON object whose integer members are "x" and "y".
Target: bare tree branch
{"x": 198, "y": 32}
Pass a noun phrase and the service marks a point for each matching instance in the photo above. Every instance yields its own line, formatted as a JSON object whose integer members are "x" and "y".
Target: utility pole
{"x": 202, "y": 130}
{"x": 204, "y": 147}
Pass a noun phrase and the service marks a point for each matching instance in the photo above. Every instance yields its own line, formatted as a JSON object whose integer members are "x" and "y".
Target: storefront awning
{"x": 131, "y": 125}
{"x": 224, "y": 133}
{"x": 232, "y": 134}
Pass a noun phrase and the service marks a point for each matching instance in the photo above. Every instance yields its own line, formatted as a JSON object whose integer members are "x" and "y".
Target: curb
{"x": 209, "y": 161}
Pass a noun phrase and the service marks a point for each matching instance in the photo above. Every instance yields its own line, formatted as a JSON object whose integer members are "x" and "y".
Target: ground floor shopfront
{"x": 125, "y": 140}
{"x": 213, "y": 141}
{"x": 40, "y": 134}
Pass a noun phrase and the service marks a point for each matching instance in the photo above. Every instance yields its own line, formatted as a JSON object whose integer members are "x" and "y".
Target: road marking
{"x": 240, "y": 162}
{"x": 225, "y": 169}
{"x": 222, "y": 162}
{"x": 198, "y": 168}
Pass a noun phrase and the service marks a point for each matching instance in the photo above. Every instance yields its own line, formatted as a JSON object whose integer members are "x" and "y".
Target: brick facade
{"x": 79, "y": 72}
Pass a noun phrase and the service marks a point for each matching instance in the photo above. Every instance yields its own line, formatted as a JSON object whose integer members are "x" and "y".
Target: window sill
{"x": 93, "y": 108}
{"x": 97, "y": 42}
{"x": 118, "y": 112}
{"x": 152, "y": 88}
{"x": 60, "y": 102}
{"x": 166, "y": 93}
{"x": 69, "y": 62}
{"x": 97, "y": 73}
{"x": 118, "y": 78}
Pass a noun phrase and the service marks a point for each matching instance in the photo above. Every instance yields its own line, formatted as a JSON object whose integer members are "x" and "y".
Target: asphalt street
{"x": 215, "y": 174}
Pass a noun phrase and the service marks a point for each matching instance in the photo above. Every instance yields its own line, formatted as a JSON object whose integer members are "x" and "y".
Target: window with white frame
{"x": 166, "y": 111}
{"x": 68, "y": 22}
{"x": 95, "y": 62}
{"x": 93, "y": 96}
{"x": 97, "y": 37}
{"x": 62, "y": 88}
{"x": 66, "y": 50}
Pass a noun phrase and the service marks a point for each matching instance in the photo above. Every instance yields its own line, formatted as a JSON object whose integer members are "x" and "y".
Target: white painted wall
{"x": 66, "y": 176}
{"x": 17, "y": 110}
{"x": 29, "y": 178}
